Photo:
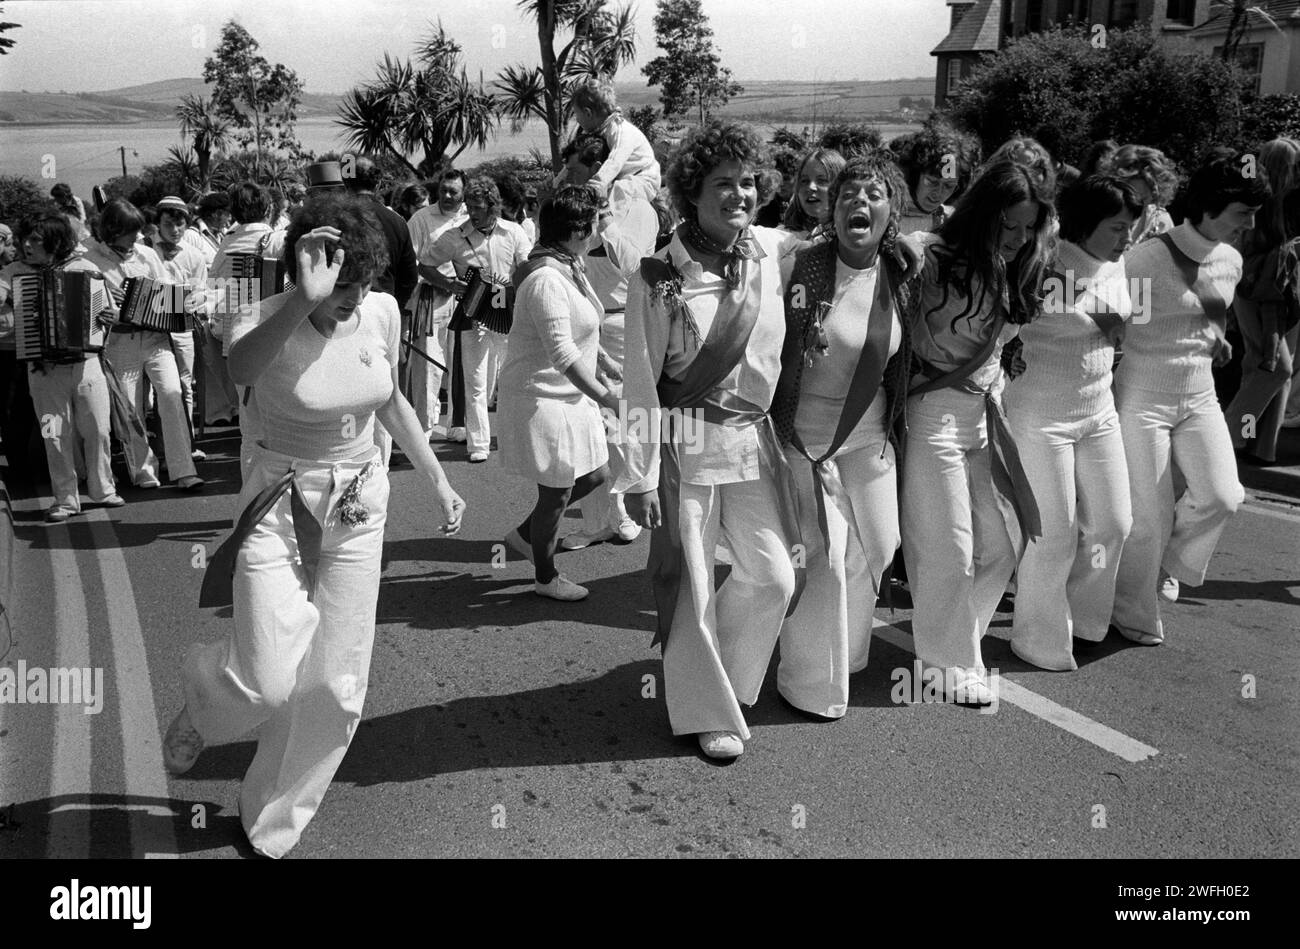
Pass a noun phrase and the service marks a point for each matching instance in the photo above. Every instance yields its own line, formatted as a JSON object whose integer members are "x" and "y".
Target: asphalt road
{"x": 501, "y": 724}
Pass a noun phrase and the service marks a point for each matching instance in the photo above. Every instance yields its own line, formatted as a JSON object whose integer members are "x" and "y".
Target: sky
{"x": 96, "y": 45}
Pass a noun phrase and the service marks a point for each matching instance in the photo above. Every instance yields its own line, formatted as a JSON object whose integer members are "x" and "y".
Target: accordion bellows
{"x": 489, "y": 304}
{"x": 56, "y": 314}
{"x": 154, "y": 305}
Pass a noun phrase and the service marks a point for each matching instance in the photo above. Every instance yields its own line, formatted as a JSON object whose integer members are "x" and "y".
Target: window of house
{"x": 1122, "y": 13}
{"x": 954, "y": 74}
{"x": 1033, "y": 16}
{"x": 1073, "y": 10}
{"x": 1250, "y": 59}
{"x": 1181, "y": 11}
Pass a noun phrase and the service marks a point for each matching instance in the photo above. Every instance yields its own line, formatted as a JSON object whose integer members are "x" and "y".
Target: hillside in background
{"x": 773, "y": 102}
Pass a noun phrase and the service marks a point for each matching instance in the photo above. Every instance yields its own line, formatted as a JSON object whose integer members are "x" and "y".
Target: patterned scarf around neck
{"x": 745, "y": 247}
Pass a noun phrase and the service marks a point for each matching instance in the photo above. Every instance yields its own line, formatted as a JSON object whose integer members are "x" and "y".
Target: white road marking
{"x": 1103, "y": 736}
{"x": 141, "y": 741}
{"x": 1253, "y": 508}
{"x": 70, "y": 771}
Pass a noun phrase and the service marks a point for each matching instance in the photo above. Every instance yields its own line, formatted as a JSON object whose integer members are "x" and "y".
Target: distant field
{"x": 779, "y": 102}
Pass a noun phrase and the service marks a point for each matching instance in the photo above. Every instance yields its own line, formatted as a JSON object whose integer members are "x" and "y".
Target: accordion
{"x": 489, "y": 304}
{"x": 154, "y": 305}
{"x": 252, "y": 279}
{"x": 56, "y": 314}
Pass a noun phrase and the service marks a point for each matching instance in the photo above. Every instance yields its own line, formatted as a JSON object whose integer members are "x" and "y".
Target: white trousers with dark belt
{"x": 1065, "y": 585}
{"x": 722, "y": 640}
{"x": 959, "y": 552}
{"x": 294, "y": 668}
{"x": 828, "y": 636}
{"x": 1162, "y": 430}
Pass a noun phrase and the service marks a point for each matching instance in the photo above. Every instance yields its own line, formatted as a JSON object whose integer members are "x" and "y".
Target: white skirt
{"x": 550, "y": 442}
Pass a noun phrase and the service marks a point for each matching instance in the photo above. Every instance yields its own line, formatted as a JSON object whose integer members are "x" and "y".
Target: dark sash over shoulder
{"x": 721, "y": 352}
{"x": 1011, "y": 488}
{"x": 1215, "y": 309}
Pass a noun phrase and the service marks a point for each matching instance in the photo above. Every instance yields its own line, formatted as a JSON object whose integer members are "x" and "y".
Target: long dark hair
{"x": 967, "y": 250}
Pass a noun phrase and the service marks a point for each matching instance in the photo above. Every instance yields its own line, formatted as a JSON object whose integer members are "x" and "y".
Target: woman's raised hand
{"x": 320, "y": 260}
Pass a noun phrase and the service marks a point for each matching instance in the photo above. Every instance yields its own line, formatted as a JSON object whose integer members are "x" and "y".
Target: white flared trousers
{"x": 141, "y": 357}
{"x": 1179, "y": 536}
{"x": 722, "y": 640}
{"x": 827, "y": 637}
{"x": 293, "y": 668}
{"x": 72, "y": 406}
{"x": 426, "y": 378}
{"x": 1065, "y": 585}
{"x": 482, "y": 353}
{"x": 959, "y": 553}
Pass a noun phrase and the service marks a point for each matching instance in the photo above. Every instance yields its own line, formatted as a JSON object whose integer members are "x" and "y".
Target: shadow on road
{"x": 1264, "y": 591}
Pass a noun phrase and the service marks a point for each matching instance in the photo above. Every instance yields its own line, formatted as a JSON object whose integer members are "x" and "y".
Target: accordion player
{"x": 56, "y": 314}
{"x": 489, "y": 304}
{"x": 155, "y": 305}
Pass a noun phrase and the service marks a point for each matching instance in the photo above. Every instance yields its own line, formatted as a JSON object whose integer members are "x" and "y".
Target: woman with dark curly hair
{"x": 809, "y": 212}
{"x": 967, "y": 510}
{"x": 302, "y": 566}
{"x": 838, "y": 410}
{"x": 937, "y": 162}
{"x": 705, "y": 325}
{"x": 1156, "y": 179}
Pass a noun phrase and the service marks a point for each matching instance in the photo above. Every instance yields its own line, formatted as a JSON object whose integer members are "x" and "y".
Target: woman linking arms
{"x": 967, "y": 509}
{"x": 305, "y": 554}
{"x": 838, "y": 404}
{"x": 1164, "y": 391}
{"x": 1067, "y": 431}
{"x": 549, "y": 425}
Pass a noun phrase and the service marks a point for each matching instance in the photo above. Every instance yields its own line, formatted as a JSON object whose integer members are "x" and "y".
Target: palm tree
{"x": 603, "y": 41}
{"x": 428, "y": 106}
{"x": 199, "y": 118}
{"x": 273, "y": 171}
{"x": 1241, "y": 13}
{"x": 182, "y": 163}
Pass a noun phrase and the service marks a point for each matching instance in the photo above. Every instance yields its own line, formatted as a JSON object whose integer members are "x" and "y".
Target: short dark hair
{"x": 119, "y": 217}
{"x": 61, "y": 193}
{"x": 567, "y": 212}
{"x": 250, "y": 203}
{"x": 1089, "y": 201}
{"x": 365, "y": 176}
{"x": 873, "y": 165}
{"x": 451, "y": 173}
{"x": 589, "y": 149}
{"x": 55, "y": 233}
{"x": 365, "y": 251}
{"x": 707, "y": 146}
{"x": 483, "y": 187}
{"x": 213, "y": 202}
{"x": 1219, "y": 182}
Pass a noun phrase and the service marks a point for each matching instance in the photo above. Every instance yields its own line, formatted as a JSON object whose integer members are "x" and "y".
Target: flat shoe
{"x": 113, "y": 500}
{"x": 1169, "y": 588}
{"x": 561, "y": 589}
{"x": 191, "y": 483}
{"x": 580, "y": 540}
{"x": 721, "y": 744}
{"x": 58, "y": 514}
{"x": 148, "y": 484}
{"x": 182, "y": 744}
{"x": 628, "y": 530}
{"x": 1141, "y": 638}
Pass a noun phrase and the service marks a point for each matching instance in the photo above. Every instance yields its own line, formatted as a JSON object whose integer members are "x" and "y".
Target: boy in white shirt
{"x": 631, "y": 170}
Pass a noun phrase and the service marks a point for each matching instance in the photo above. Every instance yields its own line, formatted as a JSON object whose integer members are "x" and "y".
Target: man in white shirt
{"x": 432, "y": 306}
{"x": 496, "y": 247}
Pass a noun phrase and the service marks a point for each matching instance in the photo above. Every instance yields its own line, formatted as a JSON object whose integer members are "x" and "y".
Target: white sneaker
{"x": 457, "y": 434}
{"x": 966, "y": 687}
{"x": 628, "y": 530}
{"x": 560, "y": 589}
{"x": 721, "y": 744}
{"x": 1169, "y": 588}
{"x": 581, "y": 539}
{"x": 478, "y": 457}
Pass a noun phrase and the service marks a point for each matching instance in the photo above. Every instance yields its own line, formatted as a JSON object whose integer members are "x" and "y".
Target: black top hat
{"x": 324, "y": 175}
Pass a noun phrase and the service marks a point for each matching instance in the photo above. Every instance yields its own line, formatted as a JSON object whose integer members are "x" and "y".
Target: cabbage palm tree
{"x": 427, "y": 106}
{"x": 1242, "y": 16}
{"x": 211, "y": 132}
{"x": 182, "y": 163}
{"x": 603, "y": 41}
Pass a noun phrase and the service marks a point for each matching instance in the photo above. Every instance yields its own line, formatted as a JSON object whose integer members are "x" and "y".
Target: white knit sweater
{"x": 1168, "y": 349}
{"x": 1067, "y": 356}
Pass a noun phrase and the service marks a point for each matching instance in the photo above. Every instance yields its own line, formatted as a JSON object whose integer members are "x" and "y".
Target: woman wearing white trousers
{"x": 1165, "y": 394}
{"x": 837, "y": 409}
{"x": 967, "y": 509}
{"x": 136, "y": 353}
{"x": 705, "y": 324}
{"x": 1066, "y": 428}
{"x": 302, "y": 567}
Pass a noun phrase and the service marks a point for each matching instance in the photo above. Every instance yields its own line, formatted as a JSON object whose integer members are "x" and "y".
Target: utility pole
{"x": 122, "y": 149}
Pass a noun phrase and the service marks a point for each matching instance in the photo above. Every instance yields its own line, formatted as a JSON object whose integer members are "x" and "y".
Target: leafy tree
{"x": 257, "y": 99}
{"x": 603, "y": 41}
{"x": 22, "y": 199}
{"x": 1270, "y": 117}
{"x": 422, "y": 107}
{"x": 646, "y": 118}
{"x": 209, "y": 131}
{"x": 275, "y": 172}
{"x": 7, "y": 43}
{"x": 847, "y": 138}
{"x": 690, "y": 73}
{"x": 154, "y": 183}
{"x": 1132, "y": 89}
